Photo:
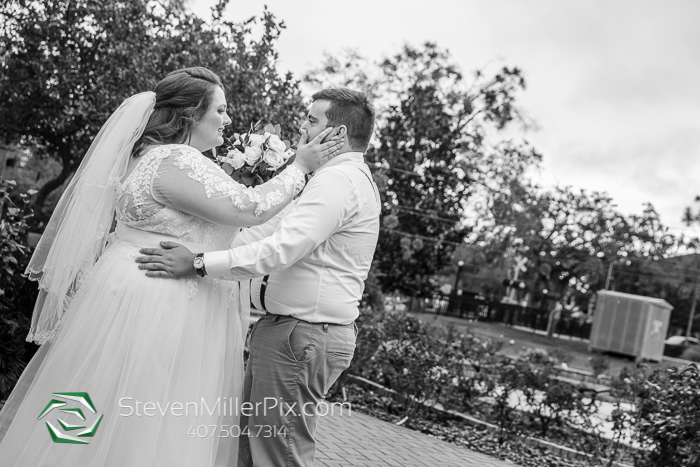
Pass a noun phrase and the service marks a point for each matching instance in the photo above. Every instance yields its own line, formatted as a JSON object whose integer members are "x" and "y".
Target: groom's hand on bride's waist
{"x": 171, "y": 261}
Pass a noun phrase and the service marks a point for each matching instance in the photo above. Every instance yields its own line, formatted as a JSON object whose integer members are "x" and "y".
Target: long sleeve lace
{"x": 186, "y": 180}
{"x": 258, "y": 232}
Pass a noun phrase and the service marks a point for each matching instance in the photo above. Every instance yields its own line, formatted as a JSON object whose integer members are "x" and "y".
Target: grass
{"x": 576, "y": 349}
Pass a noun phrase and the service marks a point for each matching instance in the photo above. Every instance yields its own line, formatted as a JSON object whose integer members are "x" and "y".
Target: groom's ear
{"x": 342, "y": 130}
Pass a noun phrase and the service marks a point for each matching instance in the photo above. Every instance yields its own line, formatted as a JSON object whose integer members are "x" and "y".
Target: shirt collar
{"x": 351, "y": 156}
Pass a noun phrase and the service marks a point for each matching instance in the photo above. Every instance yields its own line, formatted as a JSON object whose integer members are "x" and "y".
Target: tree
{"x": 571, "y": 237}
{"x": 430, "y": 151}
{"x": 65, "y": 65}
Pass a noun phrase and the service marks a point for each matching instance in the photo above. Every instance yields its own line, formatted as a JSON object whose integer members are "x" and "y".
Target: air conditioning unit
{"x": 630, "y": 325}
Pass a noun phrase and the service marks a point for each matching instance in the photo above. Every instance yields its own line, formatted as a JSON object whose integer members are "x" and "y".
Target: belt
{"x": 276, "y": 316}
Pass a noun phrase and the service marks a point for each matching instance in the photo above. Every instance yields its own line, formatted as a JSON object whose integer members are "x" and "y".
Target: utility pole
{"x": 453, "y": 295}
{"x": 4, "y": 153}
{"x": 689, "y": 329}
{"x": 607, "y": 281}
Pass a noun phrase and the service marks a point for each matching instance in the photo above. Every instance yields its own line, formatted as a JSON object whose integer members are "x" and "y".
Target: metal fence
{"x": 468, "y": 307}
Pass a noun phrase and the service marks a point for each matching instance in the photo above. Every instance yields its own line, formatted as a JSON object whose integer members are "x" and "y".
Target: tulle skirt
{"x": 161, "y": 360}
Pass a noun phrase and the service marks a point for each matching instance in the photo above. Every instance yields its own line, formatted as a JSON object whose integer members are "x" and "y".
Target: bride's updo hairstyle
{"x": 182, "y": 99}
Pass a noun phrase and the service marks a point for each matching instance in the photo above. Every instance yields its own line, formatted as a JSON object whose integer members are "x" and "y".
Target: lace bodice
{"x": 175, "y": 190}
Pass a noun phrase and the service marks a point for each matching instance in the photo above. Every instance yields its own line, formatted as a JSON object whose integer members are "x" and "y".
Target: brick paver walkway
{"x": 361, "y": 440}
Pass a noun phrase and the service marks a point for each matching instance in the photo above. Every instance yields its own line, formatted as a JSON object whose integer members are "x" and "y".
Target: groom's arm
{"x": 328, "y": 201}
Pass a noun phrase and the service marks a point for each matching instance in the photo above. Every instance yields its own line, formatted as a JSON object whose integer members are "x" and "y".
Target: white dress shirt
{"x": 318, "y": 251}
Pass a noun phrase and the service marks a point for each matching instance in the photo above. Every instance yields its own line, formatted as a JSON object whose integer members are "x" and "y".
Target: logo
{"x": 59, "y": 436}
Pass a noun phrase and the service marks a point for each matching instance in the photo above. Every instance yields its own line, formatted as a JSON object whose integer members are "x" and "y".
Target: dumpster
{"x": 630, "y": 324}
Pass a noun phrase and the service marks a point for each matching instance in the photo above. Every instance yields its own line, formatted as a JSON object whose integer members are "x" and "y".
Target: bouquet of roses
{"x": 254, "y": 157}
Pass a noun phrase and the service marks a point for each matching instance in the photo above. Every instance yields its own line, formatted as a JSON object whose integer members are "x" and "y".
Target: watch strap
{"x": 203, "y": 270}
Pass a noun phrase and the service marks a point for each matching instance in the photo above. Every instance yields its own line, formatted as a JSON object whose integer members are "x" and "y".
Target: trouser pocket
{"x": 300, "y": 340}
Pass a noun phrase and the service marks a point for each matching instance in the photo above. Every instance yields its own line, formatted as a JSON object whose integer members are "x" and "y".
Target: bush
{"x": 471, "y": 362}
{"x": 17, "y": 294}
{"x": 550, "y": 400}
{"x": 599, "y": 364}
{"x": 424, "y": 362}
{"x": 669, "y": 418}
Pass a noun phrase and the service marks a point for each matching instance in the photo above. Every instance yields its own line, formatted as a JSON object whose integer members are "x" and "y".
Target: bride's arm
{"x": 258, "y": 232}
{"x": 189, "y": 182}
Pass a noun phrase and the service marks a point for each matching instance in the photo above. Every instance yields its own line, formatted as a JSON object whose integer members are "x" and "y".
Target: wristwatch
{"x": 198, "y": 264}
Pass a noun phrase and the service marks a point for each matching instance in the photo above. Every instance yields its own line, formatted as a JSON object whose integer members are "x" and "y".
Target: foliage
{"x": 470, "y": 361}
{"x": 422, "y": 362}
{"x": 669, "y": 418}
{"x": 570, "y": 238}
{"x": 550, "y": 400}
{"x": 433, "y": 151}
{"x": 515, "y": 451}
{"x": 66, "y": 65}
{"x": 254, "y": 157}
{"x": 599, "y": 364}
{"x": 17, "y": 295}
{"x": 607, "y": 445}
{"x": 426, "y": 363}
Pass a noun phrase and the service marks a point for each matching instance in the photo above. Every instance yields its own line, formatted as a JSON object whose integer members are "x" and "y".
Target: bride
{"x": 159, "y": 360}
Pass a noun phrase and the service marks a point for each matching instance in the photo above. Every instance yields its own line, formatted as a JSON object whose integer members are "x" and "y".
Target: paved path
{"x": 361, "y": 440}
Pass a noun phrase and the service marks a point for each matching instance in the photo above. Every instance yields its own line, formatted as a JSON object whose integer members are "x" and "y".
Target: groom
{"x": 315, "y": 257}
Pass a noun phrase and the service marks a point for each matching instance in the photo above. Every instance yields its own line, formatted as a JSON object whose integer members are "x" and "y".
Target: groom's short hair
{"x": 352, "y": 109}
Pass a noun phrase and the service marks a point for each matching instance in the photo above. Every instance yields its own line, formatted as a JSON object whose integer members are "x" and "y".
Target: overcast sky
{"x": 613, "y": 85}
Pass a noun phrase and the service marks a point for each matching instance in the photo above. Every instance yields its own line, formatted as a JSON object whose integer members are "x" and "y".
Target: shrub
{"x": 412, "y": 369}
{"x": 599, "y": 364}
{"x": 549, "y": 399}
{"x": 472, "y": 364}
{"x": 17, "y": 294}
{"x": 669, "y": 418}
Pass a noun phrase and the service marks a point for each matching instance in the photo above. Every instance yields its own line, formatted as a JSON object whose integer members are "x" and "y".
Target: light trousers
{"x": 292, "y": 366}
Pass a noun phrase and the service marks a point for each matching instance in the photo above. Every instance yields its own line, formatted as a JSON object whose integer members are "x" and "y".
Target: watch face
{"x": 198, "y": 263}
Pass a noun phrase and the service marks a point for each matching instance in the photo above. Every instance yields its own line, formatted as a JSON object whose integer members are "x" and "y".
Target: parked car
{"x": 678, "y": 346}
{"x": 682, "y": 340}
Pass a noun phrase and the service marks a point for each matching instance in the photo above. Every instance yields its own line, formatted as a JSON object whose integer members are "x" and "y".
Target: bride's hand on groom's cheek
{"x": 171, "y": 261}
{"x": 312, "y": 154}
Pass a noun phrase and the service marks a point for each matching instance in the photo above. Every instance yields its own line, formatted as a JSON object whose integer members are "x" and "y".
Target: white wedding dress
{"x": 127, "y": 339}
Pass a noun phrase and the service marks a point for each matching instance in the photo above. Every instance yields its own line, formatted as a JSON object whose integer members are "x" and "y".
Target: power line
{"x": 413, "y": 173}
{"x": 421, "y": 213}
{"x": 422, "y": 237}
{"x": 665, "y": 280}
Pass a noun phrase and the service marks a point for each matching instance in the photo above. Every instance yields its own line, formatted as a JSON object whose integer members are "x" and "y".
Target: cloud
{"x": 613, "y": 85}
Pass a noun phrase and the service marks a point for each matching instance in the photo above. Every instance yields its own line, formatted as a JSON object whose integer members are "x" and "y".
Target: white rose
{"x": 256, "y": 140}
{"x": 236, "y": 158}
{"x": 274, "y": 158}
{"x": 275, "y": 143}
{"x": 252, "y": 155}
